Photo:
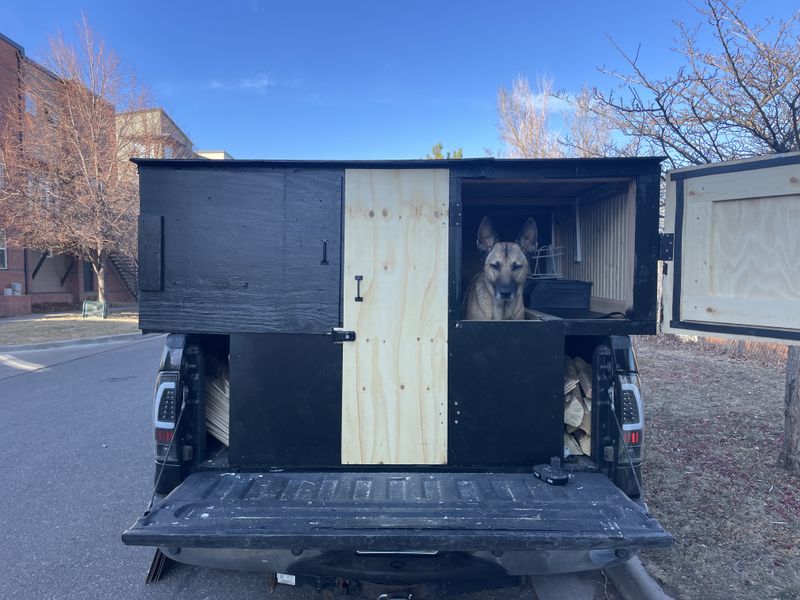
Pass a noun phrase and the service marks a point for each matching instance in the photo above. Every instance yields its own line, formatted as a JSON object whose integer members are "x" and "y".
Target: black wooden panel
{"x": 150, "y": 257}
{"x": 243, "y": 249}
{"x": 506, "y": 388}
{"x": 286, "y": 400}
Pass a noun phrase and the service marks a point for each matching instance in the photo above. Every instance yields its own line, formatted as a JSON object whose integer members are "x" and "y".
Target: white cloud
{"x": 257, "y": 83}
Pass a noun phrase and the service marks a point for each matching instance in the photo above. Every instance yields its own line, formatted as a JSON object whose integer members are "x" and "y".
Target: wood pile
{"x": 577, "y": 407}
{"x": 218, "y": 393}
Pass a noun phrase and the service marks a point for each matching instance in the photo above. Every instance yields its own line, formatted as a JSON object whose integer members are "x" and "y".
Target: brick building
{"x": 40, "y": 278}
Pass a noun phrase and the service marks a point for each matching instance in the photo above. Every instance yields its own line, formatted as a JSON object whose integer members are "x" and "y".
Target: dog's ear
{"x": 529, "y": 236}
{"x": 487, "y": 236}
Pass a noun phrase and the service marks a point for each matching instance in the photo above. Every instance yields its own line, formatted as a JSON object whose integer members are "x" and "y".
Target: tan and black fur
{"x": 496, "y": 293}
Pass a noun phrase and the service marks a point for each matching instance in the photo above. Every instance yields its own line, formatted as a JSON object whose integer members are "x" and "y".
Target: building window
{"x": 3, "y": 250}
{"x": 30, "y": 104}
{"x": 168, "y": 152}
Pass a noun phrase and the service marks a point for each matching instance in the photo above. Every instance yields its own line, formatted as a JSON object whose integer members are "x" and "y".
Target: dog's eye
{"x": 496, "y": 266}
{"x": 516, "y": 267}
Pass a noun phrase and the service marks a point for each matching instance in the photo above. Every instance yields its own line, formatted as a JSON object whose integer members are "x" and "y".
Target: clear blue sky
{"x": 371, "y": 79}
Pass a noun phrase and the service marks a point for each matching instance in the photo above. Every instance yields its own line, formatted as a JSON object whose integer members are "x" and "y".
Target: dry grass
{"x": 66, "y": 326}
{"x": 714, "y": 431}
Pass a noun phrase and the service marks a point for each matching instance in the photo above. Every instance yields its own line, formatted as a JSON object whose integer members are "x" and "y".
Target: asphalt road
{"x": 77, "y": 470}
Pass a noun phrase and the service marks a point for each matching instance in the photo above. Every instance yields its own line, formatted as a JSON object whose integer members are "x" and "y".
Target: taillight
{"x": 165, "y": 414}
{"x": 632, "y": 417}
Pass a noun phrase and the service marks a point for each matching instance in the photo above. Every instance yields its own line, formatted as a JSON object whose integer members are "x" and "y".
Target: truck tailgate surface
{"x": 395, "y": 511}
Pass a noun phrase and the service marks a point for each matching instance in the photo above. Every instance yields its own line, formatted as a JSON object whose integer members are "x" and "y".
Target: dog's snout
{"x": 506, "y": 292}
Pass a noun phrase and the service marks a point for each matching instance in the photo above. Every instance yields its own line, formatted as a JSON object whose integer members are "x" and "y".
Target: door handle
{"x": 359, "y": 279}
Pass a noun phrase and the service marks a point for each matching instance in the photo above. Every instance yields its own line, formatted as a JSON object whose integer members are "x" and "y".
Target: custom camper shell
{"x": 365, "y": 415}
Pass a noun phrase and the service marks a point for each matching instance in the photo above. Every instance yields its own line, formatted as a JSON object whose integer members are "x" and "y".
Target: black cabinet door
{"x": 232, "y": 249}
{"x": 506, "y": 393}
{"x": 286, "y": 400}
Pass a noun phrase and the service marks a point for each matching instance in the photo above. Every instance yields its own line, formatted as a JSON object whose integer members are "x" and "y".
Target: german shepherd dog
{"x": 495, "y": 294}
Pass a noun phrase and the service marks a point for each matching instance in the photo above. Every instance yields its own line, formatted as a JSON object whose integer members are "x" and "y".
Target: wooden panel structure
{"x": 241, "y": 249}
{"x": 394, "y": 376}
{"x": 739, "y": 249}
{"x": 607, "y": 248}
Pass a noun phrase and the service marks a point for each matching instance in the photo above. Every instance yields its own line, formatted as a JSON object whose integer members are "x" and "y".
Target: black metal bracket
{"x": 359, "y": 279}
{"x": 39, "y": 264}
{"x": 67, "y": 272}
{"x": 666, "y": 247}
{"x": 324, "y": 260}
{"x": 340, "y": 336}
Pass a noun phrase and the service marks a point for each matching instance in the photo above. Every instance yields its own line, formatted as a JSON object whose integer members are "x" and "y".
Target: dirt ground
{"x": 66, "y": 326}
{"x": 714, "y": 430}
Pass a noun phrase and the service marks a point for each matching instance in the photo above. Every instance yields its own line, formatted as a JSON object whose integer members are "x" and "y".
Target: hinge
{"x": 340, "y": 336}
{"x": 666, "y": 246}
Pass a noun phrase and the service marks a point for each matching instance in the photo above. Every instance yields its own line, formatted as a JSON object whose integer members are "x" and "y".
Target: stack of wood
{"x": 577, "y": 407}
{"x": 218, "y": 394}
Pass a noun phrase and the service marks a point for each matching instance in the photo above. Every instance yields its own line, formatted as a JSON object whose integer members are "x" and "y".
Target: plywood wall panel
{"x": 607, "y": 246}
{"x": 394, "y": 390}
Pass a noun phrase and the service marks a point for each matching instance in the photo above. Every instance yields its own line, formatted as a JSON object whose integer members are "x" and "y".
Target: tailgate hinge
{"x": 666, "y": 246}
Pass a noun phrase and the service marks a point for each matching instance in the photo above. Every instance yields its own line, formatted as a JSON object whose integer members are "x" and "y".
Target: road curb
{"x": 107, "y": 339}
{"x": 633, "y": 582}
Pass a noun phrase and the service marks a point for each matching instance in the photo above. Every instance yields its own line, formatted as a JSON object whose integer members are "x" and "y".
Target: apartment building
{"x": 30, "y": 277}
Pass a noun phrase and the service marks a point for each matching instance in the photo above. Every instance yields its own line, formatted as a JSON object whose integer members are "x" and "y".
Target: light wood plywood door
{"x": 736, "y": 268}
{"x": 394, "y": 376}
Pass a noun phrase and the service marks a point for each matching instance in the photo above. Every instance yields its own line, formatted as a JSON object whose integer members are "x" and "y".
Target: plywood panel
{"x": 607, "y": 247}
{"x": 741, "y": 258}
{"x": 739, "y": 249}
{"x": 394, "y": 376}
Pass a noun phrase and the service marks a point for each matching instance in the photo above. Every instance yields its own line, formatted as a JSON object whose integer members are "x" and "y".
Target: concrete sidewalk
{"x": 77, "y": 312}
{"x": 37, "y": 331}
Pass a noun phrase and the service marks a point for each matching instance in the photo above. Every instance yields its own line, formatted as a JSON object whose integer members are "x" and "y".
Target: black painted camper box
{"x": 255, "y": 251}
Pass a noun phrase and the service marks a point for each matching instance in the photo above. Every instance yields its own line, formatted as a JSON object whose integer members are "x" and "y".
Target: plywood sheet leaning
{"x": 394, "y": 376}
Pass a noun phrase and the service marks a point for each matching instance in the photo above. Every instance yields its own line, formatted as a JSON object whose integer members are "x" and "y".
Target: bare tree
{"x": 525, "y": 120}
{"x": 550, "y": 124}
{"x": 740, "y": 98}
{"x": 789, "y": 456}
{"x": 69, "y": 187}
{"x": 591, "y": 132}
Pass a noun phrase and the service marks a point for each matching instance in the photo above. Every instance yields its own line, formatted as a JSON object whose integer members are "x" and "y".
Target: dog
{"x": 496, "y": 293}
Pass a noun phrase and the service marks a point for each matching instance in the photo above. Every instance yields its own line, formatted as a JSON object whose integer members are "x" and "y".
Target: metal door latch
{"x": 340, "y": 336}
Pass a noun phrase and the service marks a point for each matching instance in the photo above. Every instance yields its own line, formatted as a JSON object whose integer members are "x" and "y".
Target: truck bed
{"x": 370, "y": 511}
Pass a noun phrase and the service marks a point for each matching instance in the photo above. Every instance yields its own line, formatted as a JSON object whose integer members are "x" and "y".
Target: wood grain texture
{"x": 394, "y": 388}
{"x": 740, "y": 262}
{"x": 242, "y": 250}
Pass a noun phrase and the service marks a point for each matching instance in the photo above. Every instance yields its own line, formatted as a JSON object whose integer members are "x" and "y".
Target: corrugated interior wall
{"x": 607, "y": 247}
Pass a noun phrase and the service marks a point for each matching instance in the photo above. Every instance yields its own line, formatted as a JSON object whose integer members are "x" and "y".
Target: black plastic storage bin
{"x": 544, "y": 294}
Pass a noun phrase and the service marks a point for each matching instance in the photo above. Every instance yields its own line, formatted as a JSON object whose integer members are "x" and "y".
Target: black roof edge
{"x": 388, "y": 163}
{"x": 8, "y": 40}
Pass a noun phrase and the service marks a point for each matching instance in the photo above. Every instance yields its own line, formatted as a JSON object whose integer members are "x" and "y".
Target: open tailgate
{"x": 395, "y": 511}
